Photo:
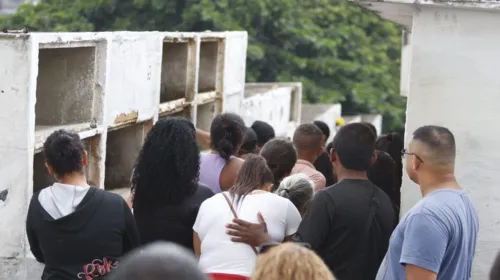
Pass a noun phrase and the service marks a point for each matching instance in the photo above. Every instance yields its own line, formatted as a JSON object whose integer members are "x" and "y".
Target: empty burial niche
{"x": 41, "y": 176}
{"x": 208, "y": 66}
{"x": 65, "y": 86}
{"x": 122, "y": 149}
{"x": 173, "y": 71}
{"x": 206, "y": 113}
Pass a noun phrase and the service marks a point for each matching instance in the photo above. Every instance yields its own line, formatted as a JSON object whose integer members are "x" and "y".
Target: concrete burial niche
{"x": 42, "y": 178}
{"x": 122, "y": 149}
{"x": 174, "y": 68}
{"x": 208, "y": 66}
{"x": 205, "y": 114}
{"x": 65, "y": 86}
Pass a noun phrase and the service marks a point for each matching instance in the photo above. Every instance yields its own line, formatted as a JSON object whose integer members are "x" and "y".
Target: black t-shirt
{"x": 335, "y": 226}
{"x": 172, "y": 222}
{"x": 86, "y": 244}
{"x": 324, "y": 165}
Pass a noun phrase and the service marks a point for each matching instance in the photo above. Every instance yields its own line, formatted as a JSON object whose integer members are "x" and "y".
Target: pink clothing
{"x": 305, "y": 167}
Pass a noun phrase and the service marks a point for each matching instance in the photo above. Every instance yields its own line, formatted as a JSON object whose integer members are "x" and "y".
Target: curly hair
{"x": 290, "y": 261}
{"x": 226, "y": 134}
{"x": 63, "y": 151}
{"x": 167, "y": 168}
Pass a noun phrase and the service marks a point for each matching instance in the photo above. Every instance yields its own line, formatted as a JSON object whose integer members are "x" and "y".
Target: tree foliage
{"x": 340, "y": 52}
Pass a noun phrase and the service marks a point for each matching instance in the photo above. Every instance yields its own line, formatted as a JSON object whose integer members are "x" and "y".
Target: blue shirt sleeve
{"x": 424, "y": 243}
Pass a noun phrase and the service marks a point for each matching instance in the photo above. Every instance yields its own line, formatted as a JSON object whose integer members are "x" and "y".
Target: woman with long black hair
{"x": 167, "y": 194}
{"x": 250, "y": 196}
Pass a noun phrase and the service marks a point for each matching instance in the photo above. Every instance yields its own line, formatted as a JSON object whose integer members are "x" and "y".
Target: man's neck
{"x": 306, "y": 157}
{"x": 344, "y": 174}
{"x": 438, "y": 182}
{"x": 74, "y": 180}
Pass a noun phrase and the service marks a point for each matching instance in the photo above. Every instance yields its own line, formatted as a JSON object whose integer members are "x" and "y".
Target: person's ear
{"x": 269, "y": 187}
{"x": 49, "y": 169}
{"x": 333, "y": 155}
{"x": 374, "y": 158}
{"x": 415, "y": 163}
{"x": 84, "y": 158}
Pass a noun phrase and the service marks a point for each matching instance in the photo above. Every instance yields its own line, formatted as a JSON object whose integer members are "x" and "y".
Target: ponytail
{"x": 225, "y": 148}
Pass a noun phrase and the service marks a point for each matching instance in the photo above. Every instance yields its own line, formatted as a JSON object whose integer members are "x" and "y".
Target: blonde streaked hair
{"x": 291, "y": 261}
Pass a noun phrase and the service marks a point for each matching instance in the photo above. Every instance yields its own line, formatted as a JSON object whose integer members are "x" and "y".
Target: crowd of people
{"x": 237, "y": 203}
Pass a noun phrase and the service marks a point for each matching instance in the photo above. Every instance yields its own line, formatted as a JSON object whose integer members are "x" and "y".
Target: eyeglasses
{"x": 266, "y": 247}
{"x": 405, "y": 153}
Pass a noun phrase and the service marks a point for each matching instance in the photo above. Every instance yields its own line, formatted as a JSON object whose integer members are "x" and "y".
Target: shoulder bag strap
{"x": 236, "y": 216}
{"x": 374, "y": 203}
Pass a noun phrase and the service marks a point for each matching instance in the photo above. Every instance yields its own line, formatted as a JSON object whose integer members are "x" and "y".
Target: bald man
{"x": 436, "y": 239}
{"x": 159, "y": 261}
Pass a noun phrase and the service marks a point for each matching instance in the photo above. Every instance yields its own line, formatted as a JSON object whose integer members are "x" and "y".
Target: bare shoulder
{"x": 230, "y": 173}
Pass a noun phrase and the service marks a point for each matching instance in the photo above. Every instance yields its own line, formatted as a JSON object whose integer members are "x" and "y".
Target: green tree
{"x": 340, "y": 52}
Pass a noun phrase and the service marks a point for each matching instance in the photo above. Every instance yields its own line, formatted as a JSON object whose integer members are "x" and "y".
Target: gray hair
{"x": 298, "y": 188}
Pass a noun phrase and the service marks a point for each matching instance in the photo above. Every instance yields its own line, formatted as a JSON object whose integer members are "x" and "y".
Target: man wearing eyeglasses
{"x": 436, "y": 239}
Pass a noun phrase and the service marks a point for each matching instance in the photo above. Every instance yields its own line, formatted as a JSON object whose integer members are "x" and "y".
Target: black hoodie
{"x": 86, "y": 244}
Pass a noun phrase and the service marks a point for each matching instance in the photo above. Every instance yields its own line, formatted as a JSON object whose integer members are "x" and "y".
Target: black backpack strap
{"x": 372, "y": 211}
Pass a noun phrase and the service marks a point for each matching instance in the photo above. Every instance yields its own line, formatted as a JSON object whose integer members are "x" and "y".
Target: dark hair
{"x": 167, "y": 168}
{"x": 307, "y": 137}
{"x": 264, "y": 131}
{"x": 392, "y": 144}
{"x": 253, "y": 174}
{"x": 371, "y": 127}
{"x": 439, "y": 139}
{"x": 354, "y": 144}
{"x": 249, "y": 142}
{"x": 383, "y": 173}
{"x": 63, "y": 151}
{"x": 280, "y": 156}
{"x": 158, "y": 261}
{"x": 323, "y": 127}
{"x": 329, "y": 147}
{"x": 226, "y": 134}
{"x": 299, "y": 189}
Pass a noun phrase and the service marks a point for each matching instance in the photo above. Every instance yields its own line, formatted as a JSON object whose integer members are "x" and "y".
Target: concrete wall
{"x": 454, "y": 83}
{"x": 110, "y": 88}
{"x": 278, "y": 104}
{"x": 328, "y": 113}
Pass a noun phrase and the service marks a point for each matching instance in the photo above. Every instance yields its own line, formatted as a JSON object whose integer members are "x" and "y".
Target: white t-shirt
{"x": 218, "y": 253}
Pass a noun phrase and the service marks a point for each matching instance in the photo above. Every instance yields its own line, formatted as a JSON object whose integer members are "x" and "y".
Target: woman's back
{"x": 172, "y": 222}
{"x": 89, "y": 241}
{"x": 211, "y": 166}
{"x": 218, "y": 253}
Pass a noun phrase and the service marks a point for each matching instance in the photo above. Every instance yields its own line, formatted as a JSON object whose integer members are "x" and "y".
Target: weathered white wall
{"x": 134, "y": 76}
{"x": 405, "y": 63}
{"x": 17, "y": 130}
{"x": 274, "y": 104}
{"x": 328, "y": 113}
{"x": 234, "y": 71}
{"x": 118, "y": 89}
{"x": 117, "y": 78}
{"x": 455, "y": 83}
